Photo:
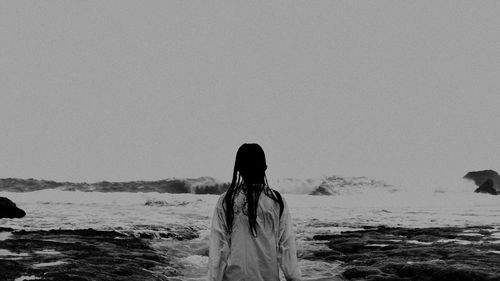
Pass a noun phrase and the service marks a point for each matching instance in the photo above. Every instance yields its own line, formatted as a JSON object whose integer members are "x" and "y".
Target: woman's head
{"x": 250, "y": 163}
{"x": 249, "y": 176}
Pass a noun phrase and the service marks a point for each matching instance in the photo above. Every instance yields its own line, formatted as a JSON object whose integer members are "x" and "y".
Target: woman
{"x": 251, "y": 235}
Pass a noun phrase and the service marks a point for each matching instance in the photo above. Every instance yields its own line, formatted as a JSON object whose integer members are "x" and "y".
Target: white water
{"x": 45, "y": 264}
{"x": 49, "y": 209}
{"x": 31, "y": 277}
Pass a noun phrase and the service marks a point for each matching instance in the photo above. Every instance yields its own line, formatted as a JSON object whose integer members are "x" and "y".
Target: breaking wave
{"x": 201, "y": 185}
{"x": 333, "y": 185}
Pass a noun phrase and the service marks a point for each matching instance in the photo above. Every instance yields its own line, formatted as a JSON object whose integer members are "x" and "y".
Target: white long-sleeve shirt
{"x": 243, "y": 257}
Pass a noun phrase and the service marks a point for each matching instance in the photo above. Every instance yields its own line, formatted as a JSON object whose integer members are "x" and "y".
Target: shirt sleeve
{"x": 218, "y": 245}
{"x": 287, "y": 248}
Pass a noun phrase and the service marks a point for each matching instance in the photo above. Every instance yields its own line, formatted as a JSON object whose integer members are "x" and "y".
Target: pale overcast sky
{"x": 402, "y": 91}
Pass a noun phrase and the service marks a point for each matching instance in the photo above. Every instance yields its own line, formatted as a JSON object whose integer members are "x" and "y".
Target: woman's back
{"x": 243, "y": 256}
{"x": 250, "y": 255}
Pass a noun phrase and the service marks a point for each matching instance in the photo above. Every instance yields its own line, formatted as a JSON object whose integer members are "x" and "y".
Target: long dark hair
{"x": 249, "y": 177}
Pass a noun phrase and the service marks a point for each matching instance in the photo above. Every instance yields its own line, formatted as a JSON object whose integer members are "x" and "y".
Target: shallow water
{"x": 4, "y": 236}
{"x": 46, "y": 264}
{"x": 7, "y": 253}
{"x": 155, "y": 213}
{"x": 24, "y": 278}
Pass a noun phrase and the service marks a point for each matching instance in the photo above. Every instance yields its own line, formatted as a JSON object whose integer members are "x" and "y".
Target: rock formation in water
{"x": 335, "y": 185}
{"x": 488, "y": 181}
{"x": 487, "y": 187}
{"x": 8, "y": 209}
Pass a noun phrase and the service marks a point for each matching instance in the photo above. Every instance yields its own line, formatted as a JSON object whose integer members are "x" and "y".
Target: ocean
{"x": 149, "y": 214}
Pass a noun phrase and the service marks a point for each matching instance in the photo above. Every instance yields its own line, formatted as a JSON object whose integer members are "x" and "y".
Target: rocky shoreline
{"x": 420, "y": 254}
{"x": 80, "y": 255}
{"x": 374, "y": 253}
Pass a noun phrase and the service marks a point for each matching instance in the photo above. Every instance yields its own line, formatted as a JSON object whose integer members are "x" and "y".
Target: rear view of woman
{"x": 251, "y": 235}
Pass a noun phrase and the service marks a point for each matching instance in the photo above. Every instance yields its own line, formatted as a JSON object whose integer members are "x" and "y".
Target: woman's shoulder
{"x": 275, "y": 191}
{"x": 274, "y": 200}
{"x": 221, "y": 198}
{"x": 277, "y": 194}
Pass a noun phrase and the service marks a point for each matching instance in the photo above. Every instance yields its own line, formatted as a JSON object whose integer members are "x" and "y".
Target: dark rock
{"x": 487, "y": 187}
{"x": 9, "y": 210}
{"x": 357, "y": 259}
{"x": 433, "y": 258}
{"x": 390, "y": 247}
{"x": 480, "y": 177}
{"x": 439, "y": 271}
{"x": 320, "y": 190}
{"x": 386, "y": 277}
{"x": 361, "y": 272}
{"x": 324, "y": 236}
{"x": 86, "y": 255}
{"x": 10, "y": 269}
{"x": 351, "y": 247}
{"x": 328, "y": 255}
{"x": 89, "y": 232}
